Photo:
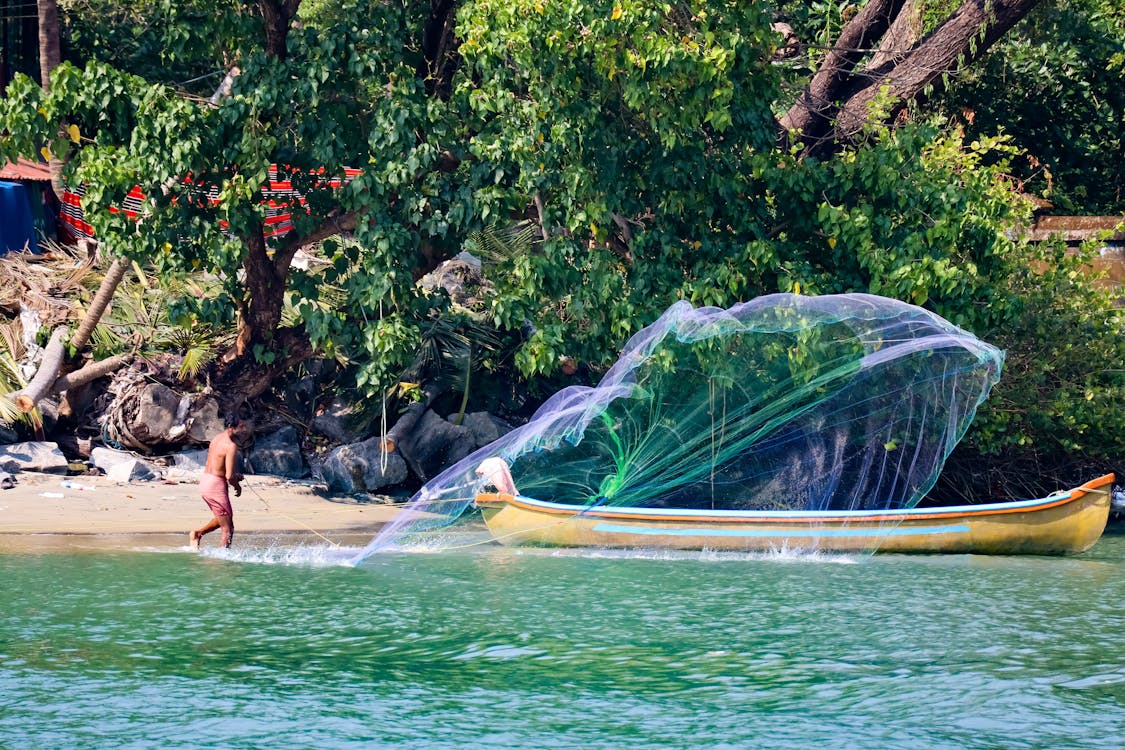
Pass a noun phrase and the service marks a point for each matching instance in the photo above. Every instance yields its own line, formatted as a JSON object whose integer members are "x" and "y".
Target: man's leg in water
{"x": 195, "y": 536}
{"x": 228, "y": 529}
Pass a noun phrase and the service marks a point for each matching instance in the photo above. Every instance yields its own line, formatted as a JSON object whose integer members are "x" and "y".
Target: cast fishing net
{"x": 786, "y": 402}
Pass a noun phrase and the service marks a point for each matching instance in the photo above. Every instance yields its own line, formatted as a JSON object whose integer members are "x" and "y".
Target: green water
{"x": 491, "y": 647}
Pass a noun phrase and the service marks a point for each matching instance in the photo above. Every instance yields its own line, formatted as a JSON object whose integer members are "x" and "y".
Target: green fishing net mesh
{"x": 786, "y": 402}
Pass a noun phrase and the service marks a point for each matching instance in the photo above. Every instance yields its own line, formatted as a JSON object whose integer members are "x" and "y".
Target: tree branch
{"x": 811, "y": 114}
{"x": 836, "y": 104}
{"x": 332, "y": 226}
{"x": 944, "y": 51}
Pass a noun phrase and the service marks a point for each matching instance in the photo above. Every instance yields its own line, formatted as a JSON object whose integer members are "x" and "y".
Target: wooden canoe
{"x": 1066, "y": 522}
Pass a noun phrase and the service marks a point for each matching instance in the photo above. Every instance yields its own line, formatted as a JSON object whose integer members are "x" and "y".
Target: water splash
{"x": 310, "y": 555}
{"x": 779, "y": 554}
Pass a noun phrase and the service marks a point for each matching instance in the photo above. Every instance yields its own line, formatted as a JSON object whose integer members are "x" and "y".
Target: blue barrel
{"x": 17, "y": 229}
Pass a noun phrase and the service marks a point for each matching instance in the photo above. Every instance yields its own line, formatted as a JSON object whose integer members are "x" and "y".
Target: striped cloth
{"x": 278, "y": 195}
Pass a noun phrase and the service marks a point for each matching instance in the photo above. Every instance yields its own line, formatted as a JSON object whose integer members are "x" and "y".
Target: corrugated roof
{"x": 24, "y": 169}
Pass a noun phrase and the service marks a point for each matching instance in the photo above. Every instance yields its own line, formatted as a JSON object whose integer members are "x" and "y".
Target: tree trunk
{"x": 90, "y": 372}
{"x": 437, "y": 36}
{"x": 276, "y": 17}
{"x": 836, "y": 105}
{"x": 50, "y": 55}
{"x": 112, "y": 279}
{"x": 962, "y": 38}
{"x": 245, "y": 378}
{"x": 39, "y": 386}
{"x": 265, "y": 292}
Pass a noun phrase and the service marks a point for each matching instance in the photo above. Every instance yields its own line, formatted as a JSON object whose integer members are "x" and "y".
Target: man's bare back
{"x": 222, "y": 460}
{"x": 220, "y": 470}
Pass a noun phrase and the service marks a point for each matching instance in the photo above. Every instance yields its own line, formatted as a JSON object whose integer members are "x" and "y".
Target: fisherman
{"x": 495, "y": 472}
{"x": 222, "y": 469}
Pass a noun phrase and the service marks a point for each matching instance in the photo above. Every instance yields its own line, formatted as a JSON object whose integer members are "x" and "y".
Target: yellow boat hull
{"x": 1064, "y": 523}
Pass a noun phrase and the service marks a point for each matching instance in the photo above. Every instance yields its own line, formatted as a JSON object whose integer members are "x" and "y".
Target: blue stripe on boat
{"x": 651, "y": 530}
{"x": 804, "y": 515}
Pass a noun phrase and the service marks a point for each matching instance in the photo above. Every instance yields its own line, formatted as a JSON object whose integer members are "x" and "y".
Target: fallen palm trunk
{"x": 46, "y": 380}
{"x": 90, "y": 372}
{"x": 40, "y": 385}
{"x": 113, "y": 276}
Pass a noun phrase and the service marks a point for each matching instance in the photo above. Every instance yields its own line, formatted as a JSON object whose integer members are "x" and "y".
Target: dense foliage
{"x": 1067, "y": 59}
{"x": 638, "y": 138}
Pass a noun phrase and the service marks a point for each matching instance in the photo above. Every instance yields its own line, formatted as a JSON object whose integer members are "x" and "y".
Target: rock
{"x": 188, "y": 464}
{"x": 75, "y": 448}
{"x": 33, "y": 456}
{"x": 485, "y": 428}
{"x": 279, "y": 454}
{"x": 7, "y": 481}
{"x": 48, "y": 412}
{"x": 121, "y": 466}
{"x": 8, "y": 435}
{"x": 135, "y": 470}
{"x": 156, "y": 414}
{"x": 342, "y": 422}
{"x": 358, "y": 468}
{"x": 299, "y": 394}
{"x": 204, "y": 421}
{"x": 434, "y": 444}
{"x": 460, "y": 277}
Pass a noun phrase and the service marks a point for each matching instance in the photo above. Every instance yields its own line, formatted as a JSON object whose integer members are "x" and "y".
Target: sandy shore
{"x": 40, "y": 513}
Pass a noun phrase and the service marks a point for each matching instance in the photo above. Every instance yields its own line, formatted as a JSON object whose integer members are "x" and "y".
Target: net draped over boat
{"x": 786, "y": 402}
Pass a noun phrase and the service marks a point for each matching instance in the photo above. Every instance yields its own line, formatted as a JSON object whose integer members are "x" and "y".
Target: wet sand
{"x": 40, "y": 513}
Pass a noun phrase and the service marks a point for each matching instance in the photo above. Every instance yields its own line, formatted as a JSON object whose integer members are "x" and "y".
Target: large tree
{"x": 652, "y": 146}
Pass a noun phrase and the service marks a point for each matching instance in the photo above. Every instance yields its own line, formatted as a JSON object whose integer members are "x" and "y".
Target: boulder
{"x": 130, "y": 471}
{"x": 359, "y": 468}
{"x": 434, "y": 444}
{"x": 33, "y": 456}
{"x": 279, "y": 454}
{"x": 204, "y": 422}
{"x": 48, "y": 412}
{"x": 485, "y": 428}
{"x": 341, "y": 422}
{"x": 121, "y": 466}
{"x": 188, "y": 464}
{"x": 156, "y": 413}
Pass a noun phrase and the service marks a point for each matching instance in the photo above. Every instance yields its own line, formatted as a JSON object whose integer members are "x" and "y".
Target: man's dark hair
{"x": 234, "y": 420}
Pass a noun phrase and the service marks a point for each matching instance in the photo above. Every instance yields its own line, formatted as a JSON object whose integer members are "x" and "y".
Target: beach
{"x": 49, "y": 511}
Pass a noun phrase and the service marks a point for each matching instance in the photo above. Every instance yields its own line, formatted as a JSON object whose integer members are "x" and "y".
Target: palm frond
{"x": 11, "y": 337}
{"x": 198, "y": 344}
{"x": 12, "y": 380}
{"x": 496, "y": 244}
{"x": 196, "y": 358}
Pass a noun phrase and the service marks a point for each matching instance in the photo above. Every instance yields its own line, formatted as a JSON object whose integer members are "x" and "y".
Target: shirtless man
{"x": 221, "y": 469}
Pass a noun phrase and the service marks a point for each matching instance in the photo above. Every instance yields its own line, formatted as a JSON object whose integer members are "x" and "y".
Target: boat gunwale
{"x": 790, "y": 516}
